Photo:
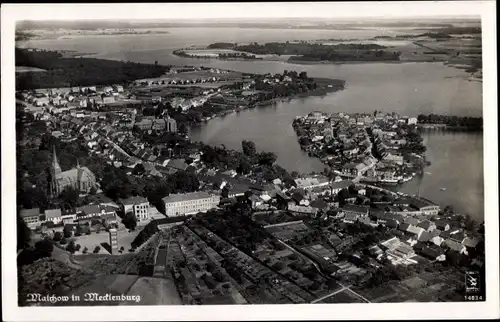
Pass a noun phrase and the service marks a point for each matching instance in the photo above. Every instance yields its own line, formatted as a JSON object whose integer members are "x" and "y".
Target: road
{"x": 330, "y": 295}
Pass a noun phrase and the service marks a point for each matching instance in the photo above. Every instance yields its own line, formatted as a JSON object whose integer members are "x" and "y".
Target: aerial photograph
{"x": 249, "y": 161}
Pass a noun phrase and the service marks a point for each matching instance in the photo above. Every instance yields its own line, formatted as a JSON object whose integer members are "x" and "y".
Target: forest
{"x": 68, "y": 72}
{"x": 472, "y": 123}
{"x": 317, "y": 52}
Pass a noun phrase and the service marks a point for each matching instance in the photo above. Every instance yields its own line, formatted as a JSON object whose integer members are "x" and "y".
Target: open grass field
{"x": 155, "y": 291}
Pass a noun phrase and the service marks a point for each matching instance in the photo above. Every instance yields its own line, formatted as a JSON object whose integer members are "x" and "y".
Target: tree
{"x": 267, "y": 158}
{"x": 130, "y": 221}
{"x": 63, "y": 241}
{"x": 97, "y": 249}
{"x": 69, "y": 197}
{"x": 44, "y": 247}
{"x": 23, "y": 234}
{"x": 67, "y": 232}
{"x": 85, "y": 250}
{"x": 71, "y": 247}
{"x": 244, "y": 167}
{"x": 248, "y": 148}
{"x": 78, "y": 230}
{"x": 139, "y": 169}
{"x": 77, "y": 247}
{"x": 57, "y": 236}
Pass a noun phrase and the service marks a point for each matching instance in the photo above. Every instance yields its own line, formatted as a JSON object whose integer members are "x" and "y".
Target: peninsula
{"x": 379, "y": 148}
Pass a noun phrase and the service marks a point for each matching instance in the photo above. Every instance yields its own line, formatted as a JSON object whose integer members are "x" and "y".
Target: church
{"x": 79, "y": 178}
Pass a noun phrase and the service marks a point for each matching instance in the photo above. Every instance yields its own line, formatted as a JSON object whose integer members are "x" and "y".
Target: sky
{"x": 156, "y": 11}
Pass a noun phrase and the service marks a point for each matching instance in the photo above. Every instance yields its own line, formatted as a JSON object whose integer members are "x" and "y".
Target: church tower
{"x": 56, "y": 168}
{"x": 54, "y": 172}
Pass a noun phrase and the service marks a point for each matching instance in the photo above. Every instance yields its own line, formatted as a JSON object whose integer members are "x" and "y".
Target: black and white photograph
{"x": 240, "y": 158}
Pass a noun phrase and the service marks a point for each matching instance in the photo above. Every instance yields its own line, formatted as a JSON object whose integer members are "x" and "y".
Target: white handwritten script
{"x": 87, "y": 297}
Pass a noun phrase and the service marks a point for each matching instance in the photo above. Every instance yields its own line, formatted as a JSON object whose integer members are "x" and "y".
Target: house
{"x": 310, "y": 183}
{"x": 110, "y": 218}
{"x": 53, "y": 215}
{"x": 402, "y": 250}
{"x": 437, "y": 240}
{"x": 454, "y": 246}
{"x": 415, "y": 231}
{"x": 31, "y": 217}
{"x": 442, "y": 225}
{"x": 397, "y": 217}
{"x": 303, "y": 210}
{"x": 299, "y": 199}
{"x": 336, "y": 186}
{"x": 283, "y": 200}
{"x": 390, "y": 243}
{"x": 403, "y": 227}
{"x": 139, "y": 206}
{"x": 427, "y": 225}
{"x": 108, "y": 99}
{"x": 177, "y": 164}
{"x": 350, "y": 218}
{"x": 425, "y": 237}
{"x": 355, "y": 209}
{"x": 433, "y": 253}
{"x": 68, "y": 217}
{"x": 391, "y": 223}
{"x": 411, "y": 221}
{"x": 255, "y": 201}
{"x": 470, "y": 242}
{"x": 458, "y": 236}
{"x": 90, "y": 211}
{"x": 319, "y": 204}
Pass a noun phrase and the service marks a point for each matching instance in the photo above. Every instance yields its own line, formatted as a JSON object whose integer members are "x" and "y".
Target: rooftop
{"x": 30, "y": 212}
{"x": 186, "y": 196}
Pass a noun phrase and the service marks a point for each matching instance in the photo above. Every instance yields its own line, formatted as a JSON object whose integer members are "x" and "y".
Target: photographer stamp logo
{"x": 472, "y": 282}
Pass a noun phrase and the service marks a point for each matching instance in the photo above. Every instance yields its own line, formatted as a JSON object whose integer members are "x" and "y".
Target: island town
{"x": 113, "y": 194}
{"x": 379, "y": 148}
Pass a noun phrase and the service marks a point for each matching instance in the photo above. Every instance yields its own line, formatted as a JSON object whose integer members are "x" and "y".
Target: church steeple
{"x": 56, "y": 168}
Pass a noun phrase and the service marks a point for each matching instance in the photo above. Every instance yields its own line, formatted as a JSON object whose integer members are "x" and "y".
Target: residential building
{"x": 455, "y": 246}
{"x": 412, "y": 120}
{"x": 336, "y": 186}
{"x": 189, "y": 203}
{"x": 355, "y": 209}
{"x": 443, "y": 225}
{"x": 139, "y": 206}
{"x": 311, "y": 183}
{"x": 416, "y": 231}
{"x": 427, "y": 225}
{"x": 53, "y": 215}
{"x": 31, "y": 217}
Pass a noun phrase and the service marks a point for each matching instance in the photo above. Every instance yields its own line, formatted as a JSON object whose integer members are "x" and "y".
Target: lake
{"x": 406, "y": 88}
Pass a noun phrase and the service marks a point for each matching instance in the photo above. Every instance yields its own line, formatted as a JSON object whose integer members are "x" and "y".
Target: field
{"x": 25, "y": 69}
{"x": 155, "y": 291}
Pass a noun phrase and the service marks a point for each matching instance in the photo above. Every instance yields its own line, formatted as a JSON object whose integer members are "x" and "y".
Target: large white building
{"x": 189, "y": 203}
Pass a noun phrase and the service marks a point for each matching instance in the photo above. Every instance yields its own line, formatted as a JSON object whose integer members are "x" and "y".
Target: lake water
{"x": 406, "y": 88}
